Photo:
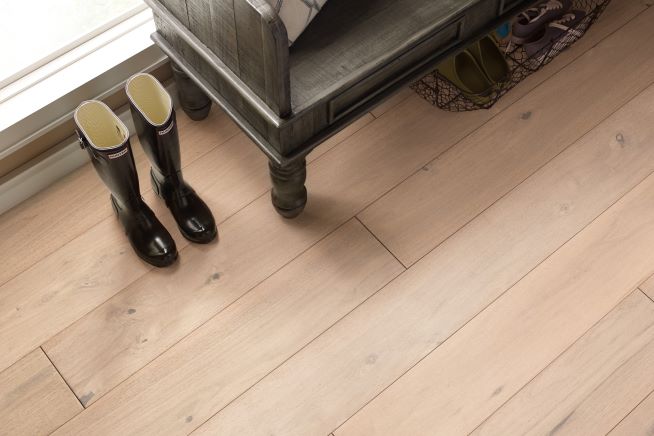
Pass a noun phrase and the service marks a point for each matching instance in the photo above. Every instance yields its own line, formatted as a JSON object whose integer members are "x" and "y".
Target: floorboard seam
{"x": 356, "y": 217}
{"x": 64, "y": 380}
{"x": 631, "y": 411}
{"x": 645, "y": 294}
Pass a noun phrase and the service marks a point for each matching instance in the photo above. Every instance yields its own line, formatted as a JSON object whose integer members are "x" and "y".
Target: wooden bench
{"x": 351, "y": 57}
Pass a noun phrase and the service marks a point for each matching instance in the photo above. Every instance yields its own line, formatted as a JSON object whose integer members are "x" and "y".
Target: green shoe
{"x": 466, "y": 74}
{"x": 491, "y": 60}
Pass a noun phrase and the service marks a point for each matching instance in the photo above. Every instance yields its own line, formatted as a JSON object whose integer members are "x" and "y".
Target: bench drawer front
{"x": 397, "y": 70}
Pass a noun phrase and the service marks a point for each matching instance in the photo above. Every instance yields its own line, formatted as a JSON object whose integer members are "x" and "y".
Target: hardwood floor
{"x": 484, "y": 272}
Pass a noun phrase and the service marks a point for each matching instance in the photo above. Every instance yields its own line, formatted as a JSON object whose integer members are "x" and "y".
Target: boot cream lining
{"x": 100, "y": 125}
{"x": 150, "y": 98}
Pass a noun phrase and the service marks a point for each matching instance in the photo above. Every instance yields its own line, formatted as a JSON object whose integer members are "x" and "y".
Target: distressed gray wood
{"x": 213, "y": 22}
{"x": 224, "y": 100}
{"x": 276, "y": 65}
{"x": 248, "y": 37}
{"x": 288, "y": 194}
{"x": 350, "y": 58}
{"x": 178, "y": 9}
{"x": 263, "y": 53}
{"x": 250, "y": 49}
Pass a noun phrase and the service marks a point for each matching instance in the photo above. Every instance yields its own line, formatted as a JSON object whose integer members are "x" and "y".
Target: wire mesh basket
{"x": 441, "y": 92}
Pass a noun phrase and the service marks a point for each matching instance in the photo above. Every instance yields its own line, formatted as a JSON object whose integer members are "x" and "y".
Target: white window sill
{"x": 47, "y": 97}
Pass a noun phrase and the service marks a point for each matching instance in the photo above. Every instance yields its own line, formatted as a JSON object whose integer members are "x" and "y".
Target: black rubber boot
{"x": 154, "y": 118}
{"x": 106, "y": 139}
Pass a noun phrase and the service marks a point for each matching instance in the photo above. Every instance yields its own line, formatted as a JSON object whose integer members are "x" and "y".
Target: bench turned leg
{"x": 289, "y": 195}
{"x": 194, "y": 101}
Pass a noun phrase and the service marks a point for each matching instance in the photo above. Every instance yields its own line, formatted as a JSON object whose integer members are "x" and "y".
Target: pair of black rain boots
{"x": 106, "y": 139}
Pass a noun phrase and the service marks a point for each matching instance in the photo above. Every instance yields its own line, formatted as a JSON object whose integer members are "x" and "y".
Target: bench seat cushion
{"x": 296, "y": 14}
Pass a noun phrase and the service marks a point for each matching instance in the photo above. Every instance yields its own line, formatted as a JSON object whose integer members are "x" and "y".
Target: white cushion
{"x": 296, "y": 14}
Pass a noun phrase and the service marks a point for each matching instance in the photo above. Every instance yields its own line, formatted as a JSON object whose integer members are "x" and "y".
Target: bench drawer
{"x": 424, "y": 53}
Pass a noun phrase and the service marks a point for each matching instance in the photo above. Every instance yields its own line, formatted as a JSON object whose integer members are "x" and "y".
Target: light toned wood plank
{"x": 593, "y": 385}
{"x": 361, "y": 355}
{"x": 55, "y": 216}
{"x": 254, "y": 243}
{"x": 34, "y": 400}
{"x": 91, "y": 268}
{"x": 542, "y": 124}
{"x": 234, "y": 350}
{"x": 474, "y": 372}
{"x": 638, "y": 422}
{"x": 340, "y": 137}
{"x": 648, "y": 287}
{"x": 391, "y": 102}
